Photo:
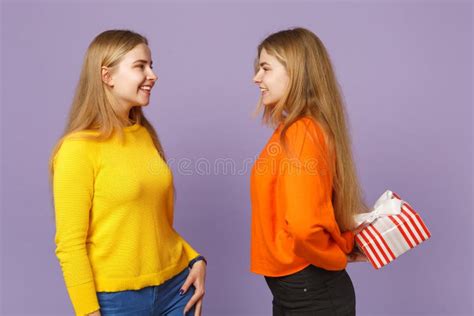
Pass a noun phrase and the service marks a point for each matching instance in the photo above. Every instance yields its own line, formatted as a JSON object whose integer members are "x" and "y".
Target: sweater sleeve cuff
{"x": 84, "y": 298}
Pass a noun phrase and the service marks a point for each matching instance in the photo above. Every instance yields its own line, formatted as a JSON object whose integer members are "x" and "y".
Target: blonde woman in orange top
{"x": 304, "y": 187}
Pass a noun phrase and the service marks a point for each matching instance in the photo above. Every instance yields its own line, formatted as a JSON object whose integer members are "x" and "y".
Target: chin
{"x": 269, "y": 104}
{"x": 142, "y": 104}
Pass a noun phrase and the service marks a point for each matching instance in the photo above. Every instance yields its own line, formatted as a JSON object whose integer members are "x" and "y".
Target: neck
{"x": 124, "y": 115}
{"x": 127, "y": 122}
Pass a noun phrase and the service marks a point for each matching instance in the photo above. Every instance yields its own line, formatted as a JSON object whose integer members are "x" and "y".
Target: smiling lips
{"x": 263, "y": 90}
{"x": 146, "y": 88}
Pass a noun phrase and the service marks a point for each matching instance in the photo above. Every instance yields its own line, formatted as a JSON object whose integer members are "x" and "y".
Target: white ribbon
{"x": 386, "y": 205}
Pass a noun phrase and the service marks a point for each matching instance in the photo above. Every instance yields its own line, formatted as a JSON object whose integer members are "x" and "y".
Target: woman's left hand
{"x": 196, "y": 277}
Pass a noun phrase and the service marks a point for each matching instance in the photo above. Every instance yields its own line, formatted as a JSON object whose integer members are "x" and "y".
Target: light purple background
{"x": 406, "y": 73}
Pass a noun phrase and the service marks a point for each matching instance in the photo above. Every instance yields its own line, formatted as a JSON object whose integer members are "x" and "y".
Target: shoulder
{"x": 77, "y": 146}
{"x": 82, "y": 139}
{"x": 306, "y": 131}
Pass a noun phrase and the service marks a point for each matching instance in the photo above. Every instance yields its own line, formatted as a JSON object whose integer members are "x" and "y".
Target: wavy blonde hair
{"x": 313, "y": 91}
{"x": 91, "y": 107}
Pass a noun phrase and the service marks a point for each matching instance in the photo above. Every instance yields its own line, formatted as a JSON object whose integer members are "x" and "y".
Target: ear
{"x": 106, "y": 76}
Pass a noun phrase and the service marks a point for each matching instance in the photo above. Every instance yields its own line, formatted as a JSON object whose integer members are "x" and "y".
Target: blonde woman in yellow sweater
{"x": 113, "y": 194}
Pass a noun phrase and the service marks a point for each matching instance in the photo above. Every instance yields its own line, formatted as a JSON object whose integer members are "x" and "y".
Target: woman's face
{"x": 272, "y": 78}
{"x": 132, "y": 80}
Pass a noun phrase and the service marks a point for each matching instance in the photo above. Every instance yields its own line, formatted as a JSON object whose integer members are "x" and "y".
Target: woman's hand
{"x": 359, "y": 228}
{"x": 357, "y": 256}
{"x": 96, "y": 313}
{"x": 196, "y": 277}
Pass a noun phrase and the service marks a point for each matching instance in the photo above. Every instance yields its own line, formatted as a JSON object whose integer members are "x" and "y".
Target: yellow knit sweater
{"x": 114, "y": 216}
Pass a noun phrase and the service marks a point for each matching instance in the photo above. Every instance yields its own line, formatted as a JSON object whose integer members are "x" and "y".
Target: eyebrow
{"x": 143, "y": 61}
{"x": 264, "y": 63}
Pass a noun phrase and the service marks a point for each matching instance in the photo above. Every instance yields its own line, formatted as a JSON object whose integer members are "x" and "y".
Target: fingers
{"x": 361, "y": 258}
{"x": 359, "y": 228}
{"x": 198, "y": 310}
{"x": 196, "y": 278}
{"x": 197, "y": 296}
{"x": 351, "y": 257}
{"x": 187, "y": 283}
{"x": 357, "y": 256}
{"x": 364, "y": 258}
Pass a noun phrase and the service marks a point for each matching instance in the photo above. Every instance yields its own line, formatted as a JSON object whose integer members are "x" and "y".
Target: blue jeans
{"x": 161, "y": 300}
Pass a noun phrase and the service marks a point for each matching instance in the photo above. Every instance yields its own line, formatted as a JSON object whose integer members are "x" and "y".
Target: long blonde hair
{"x": 91, "y": 106}
{"x": 313, "y": 91}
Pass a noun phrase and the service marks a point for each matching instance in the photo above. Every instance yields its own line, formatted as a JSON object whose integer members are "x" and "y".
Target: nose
{"x": 257, "y": 79}
{"x": 152, "y": 75}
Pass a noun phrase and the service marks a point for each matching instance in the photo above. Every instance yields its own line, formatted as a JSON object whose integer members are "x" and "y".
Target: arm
{"x": 197, "y": 273}
{"x": 169, "y": 212}
{"x": 73, "y": 191}
{"x": 304, "y": 192}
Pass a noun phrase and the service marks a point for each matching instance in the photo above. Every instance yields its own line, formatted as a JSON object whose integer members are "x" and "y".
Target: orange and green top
{"x": 293, "y": 221}
{"x": 114, "y": 216}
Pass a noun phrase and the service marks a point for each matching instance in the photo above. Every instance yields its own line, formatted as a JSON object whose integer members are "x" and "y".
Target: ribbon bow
{"x": 386, "y": 205}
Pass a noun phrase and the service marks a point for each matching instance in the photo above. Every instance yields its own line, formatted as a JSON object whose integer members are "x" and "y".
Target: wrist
{"x": 193, "y": 261}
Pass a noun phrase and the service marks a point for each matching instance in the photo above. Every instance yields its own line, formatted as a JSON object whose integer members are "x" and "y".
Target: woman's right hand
{"x": 357, "y": 256}
{"x": 96, "y": 313}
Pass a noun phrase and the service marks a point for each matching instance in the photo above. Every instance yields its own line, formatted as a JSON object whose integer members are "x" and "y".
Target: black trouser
{"x": 312, "y": 291}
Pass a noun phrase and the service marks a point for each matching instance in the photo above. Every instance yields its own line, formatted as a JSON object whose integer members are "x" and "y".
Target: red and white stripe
{"x": 390, "y": 236}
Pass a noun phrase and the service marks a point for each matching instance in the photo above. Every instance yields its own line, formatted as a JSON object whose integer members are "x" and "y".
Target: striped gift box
{"x": 390, "y": 236}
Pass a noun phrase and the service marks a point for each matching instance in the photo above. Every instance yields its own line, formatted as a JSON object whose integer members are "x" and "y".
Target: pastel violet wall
{"x": 406, "y": 73}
